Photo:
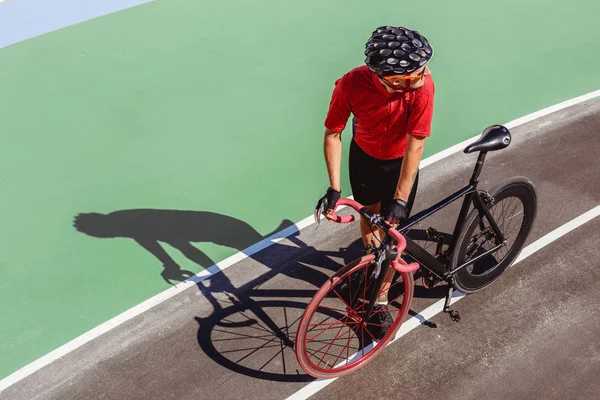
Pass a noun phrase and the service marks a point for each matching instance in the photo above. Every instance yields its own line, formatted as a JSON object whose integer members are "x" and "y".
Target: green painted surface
{"x": 214, "y": 107}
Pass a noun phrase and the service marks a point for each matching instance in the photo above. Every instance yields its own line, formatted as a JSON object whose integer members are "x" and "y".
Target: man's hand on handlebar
{"x": 394, "y": 211}
{"x": 327, "y": 203}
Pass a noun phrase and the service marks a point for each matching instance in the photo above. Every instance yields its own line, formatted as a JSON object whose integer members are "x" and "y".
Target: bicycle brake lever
{"x": 377, "y": 269}
{"x": 319, "y": 213}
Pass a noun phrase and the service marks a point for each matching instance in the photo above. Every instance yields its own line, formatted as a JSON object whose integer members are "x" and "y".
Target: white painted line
{"x": 519, "y": 121}
{"x": 551, "y": 109}
{"x": 148, "y": 304}
{"x": 438, "y": 306}
{"x": 555, "y": 234}
{"x": 263, "y": 244}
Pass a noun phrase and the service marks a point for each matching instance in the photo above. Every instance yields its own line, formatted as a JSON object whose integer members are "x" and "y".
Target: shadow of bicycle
{"x": 251, "y": 329}
{"x": 254, "y": 333}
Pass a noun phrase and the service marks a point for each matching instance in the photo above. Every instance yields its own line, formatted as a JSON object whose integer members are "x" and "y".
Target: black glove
{"x": 394, "y": 211}
{"x": 329, "y": 201}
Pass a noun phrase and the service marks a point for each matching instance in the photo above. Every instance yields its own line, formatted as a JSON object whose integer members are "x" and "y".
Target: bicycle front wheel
{"x": 514, "y": 210}
{"x": 333, "y": 338}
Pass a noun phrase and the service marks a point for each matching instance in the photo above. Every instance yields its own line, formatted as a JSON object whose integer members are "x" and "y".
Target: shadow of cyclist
{"x": 178, "y": 228}
{"x": 306, "y": 266}
{"x": 236, "y": 312}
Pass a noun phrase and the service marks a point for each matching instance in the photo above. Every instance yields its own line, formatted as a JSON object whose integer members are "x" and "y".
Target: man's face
{"x": 396, "y": 83}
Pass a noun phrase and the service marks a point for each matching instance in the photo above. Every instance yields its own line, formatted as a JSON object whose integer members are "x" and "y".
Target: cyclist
{"x": 391, "y": 100}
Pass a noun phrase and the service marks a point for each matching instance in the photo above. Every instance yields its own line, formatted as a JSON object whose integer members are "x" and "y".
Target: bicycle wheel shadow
{"x": 237, "y": 319}
{"x": 255, "y": 337}
{"x": 253, "y": 334}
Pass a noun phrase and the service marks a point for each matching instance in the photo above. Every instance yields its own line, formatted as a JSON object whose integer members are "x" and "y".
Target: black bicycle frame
{"x": 471, "y": 196}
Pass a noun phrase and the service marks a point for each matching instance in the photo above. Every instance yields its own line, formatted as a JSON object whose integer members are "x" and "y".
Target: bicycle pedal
{"x": 430, "y": 281}
{"x": 454, "y": 315}
{"x": 430, "y": 284}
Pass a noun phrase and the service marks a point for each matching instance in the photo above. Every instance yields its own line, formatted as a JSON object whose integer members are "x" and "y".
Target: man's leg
{"x": 364, "y": 174}
{"x": 367, "y": 231}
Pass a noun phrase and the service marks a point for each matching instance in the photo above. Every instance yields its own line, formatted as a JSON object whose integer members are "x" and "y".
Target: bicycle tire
{"x": 485, "y": 271}
{"x": 331, "y": 368}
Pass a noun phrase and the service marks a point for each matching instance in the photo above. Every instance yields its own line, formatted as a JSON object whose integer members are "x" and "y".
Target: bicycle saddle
{"x": 494, "y": 137}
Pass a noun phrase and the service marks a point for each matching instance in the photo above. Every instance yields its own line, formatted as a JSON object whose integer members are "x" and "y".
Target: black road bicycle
{"x": 338, "y": 332}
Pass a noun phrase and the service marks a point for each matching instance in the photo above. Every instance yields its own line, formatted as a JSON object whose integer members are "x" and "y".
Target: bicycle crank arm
{"x": 454, "y": 315}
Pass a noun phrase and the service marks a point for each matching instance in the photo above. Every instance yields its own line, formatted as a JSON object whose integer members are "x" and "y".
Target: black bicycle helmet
{"x": 396, "y": 51}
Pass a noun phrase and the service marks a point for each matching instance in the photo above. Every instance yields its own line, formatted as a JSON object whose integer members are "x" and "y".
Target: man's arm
{"x": 332, "y": 148}
{"x": 410, "y": 166}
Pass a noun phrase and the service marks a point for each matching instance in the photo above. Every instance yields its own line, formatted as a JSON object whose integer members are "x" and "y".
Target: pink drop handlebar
{"x": 398, "y": 264}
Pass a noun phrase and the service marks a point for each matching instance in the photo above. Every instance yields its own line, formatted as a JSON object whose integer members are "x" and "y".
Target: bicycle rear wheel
{"x": 333, "y": 338}
{"x": 514, "y": 210}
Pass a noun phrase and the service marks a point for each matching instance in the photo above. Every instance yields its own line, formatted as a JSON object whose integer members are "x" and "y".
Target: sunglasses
{"x": 396, "y": 81}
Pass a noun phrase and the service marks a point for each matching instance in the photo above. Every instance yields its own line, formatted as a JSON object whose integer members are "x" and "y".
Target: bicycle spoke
{"x": 314, "y": 337}
{"x": 349, "y": 322}
{"x": 511, "y": 213}
{"x": 508, "y": 208}
{"x": 340, "y": 297}
{"x": 332, "y": 309}
{"x": 312, "y": 352}
{"x": 348, "y": 349}
{"x": 478, "y": 247}
{"x": 398, "y": 282}
{"x": 395, "y": 298}
{"x": 315, "y": 353}
{"x": 504, "y": 220}
{"x": 510, "y": 219}
{"x": 336, "y": 336}
{"x": 503, "y": 208}
{"x": 362, "y": 343}
{"x": 342, "y": 352}
{"x": 335, "y": 344}
{"x": 370, "y": 334}
{"x": 374, "y": 324}
{"x": 334, "y": 323}
{"x": 350, "y": 287}
{"x": 365, "y": 288}
{"x": 383, "y": 311}
{"x": 326, "y": 318}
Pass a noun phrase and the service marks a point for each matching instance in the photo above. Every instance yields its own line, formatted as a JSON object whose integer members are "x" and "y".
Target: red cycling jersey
{"x": 383, "y": 119}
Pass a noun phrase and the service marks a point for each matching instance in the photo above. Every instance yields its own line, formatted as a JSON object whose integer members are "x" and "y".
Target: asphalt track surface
{"x": 179, "y": 139}
{"x": 533, "y": 334}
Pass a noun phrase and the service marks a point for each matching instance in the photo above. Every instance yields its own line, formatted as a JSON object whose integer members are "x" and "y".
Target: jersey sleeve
{"x": 339, "y": 106}
{"x": 421, "y": 111}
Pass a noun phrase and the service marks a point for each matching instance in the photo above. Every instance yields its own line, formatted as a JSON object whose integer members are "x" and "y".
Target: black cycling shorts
{"x": 374, "y": 180}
